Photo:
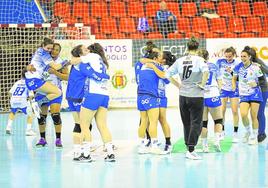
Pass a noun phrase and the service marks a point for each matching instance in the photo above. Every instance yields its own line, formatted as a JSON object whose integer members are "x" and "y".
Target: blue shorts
{"x": 34, "y": 83}
{"x": 212, "y": 102}
{"x": 229, "y": 94}
{"x": 163, "y": 103}
{"x": 58, "y": 100}
{"x": 256, "y": 97}
{"x": 94, "y": 101}
{"x": 147, "y": 102}
{"x": 14, "y": 110}
{"x": 74, "y": 106}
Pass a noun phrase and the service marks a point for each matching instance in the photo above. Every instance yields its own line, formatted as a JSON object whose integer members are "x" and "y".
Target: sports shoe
{"x": 58, "y": 143}
{"x": 143, "y": 149}
{"x": 205, "y": 148}
{"x": 82, "y": 158}
{"x": 110, "y": 158}
{"x": 8, "y": 131}
{"x": 217, "y": 147}
{"x": 30, "y": 132}
{"x": 36, "y": 109}
{"x": 76, "y": 156}
{"x": 167, "y": 149}
{"x": 246, "y": 137}
{"x": 42, "y": 143}
{"x": 192, "y": 155}
{"x": 252, "y": 141}
{"x": 261, "y": 137}
{"x": 235, "y": 138}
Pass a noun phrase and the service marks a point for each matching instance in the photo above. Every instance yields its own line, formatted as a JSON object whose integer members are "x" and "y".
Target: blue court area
{"x": 22, "y": 165}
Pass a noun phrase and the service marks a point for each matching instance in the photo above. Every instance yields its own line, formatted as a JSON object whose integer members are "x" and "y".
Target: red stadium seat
{"x": 246, "y": 35}
{"x": 207, "y": 5}
{"x": 108, "y": 26}
{"x": 118, "y": 36}
{"x": 189, "y": 9}
{"x": 225, "y": 9}
{"x": 260, "y": 9}
{"x": 183, "y": 25}
{"x": 175, "y": 36}
{"x": 265, "y": 25}
{"x": 117, "y": 9}
{"x": 200, "y": 25}
{"x": 152, "y": 8}
{"x": 218, "y": 25}
{"x": 242, "y": 9}
{"x": 174, "y": 8}
{"x": 253, "y": 24}
{"x": 236, "y": 25}
{"x": 154, "y": 36}
{"x": 127, "y": 25}
{"x": 80, "y": 10}
{"x": 99, "y": 10}
{"x": 136, "y": 35}
{"x": 62, "y": 9}
{"x": 135, "y": 9}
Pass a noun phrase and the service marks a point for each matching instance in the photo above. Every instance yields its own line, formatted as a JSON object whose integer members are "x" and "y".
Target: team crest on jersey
{"x": 119, "y": 80}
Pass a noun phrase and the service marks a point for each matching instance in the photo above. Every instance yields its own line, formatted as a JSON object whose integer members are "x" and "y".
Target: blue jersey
{"x": 226, "y": 69}
{"x": 147, "y": 80}
{"x": 247, "y": 75}
{"x": 40, "y": 60}
{"x": 76, "y": 84}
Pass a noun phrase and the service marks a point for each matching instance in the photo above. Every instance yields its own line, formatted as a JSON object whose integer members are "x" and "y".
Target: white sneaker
{"x": 222, "y": 136}
{"x": 246, "y": 137}
{"x": 36, "y": 109}
{"x": 167, "y": 150}
{"x": 143, "y": 149}
{"x": 217, "y": 147}
{"x": 192, "y": 155}
{"x": 30, "y": 132}
{"x": 235, "y": 138}
{"x": 205, "y": 148}
{"x": 156, "y": 151}
{"x": 252, "y": 141}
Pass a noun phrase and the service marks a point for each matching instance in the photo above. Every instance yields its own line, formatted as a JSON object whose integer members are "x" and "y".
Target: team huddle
{"x": 204, "y": 87}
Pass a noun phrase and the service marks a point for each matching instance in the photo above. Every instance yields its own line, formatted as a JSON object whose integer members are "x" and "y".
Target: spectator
{"x": 165, "y": 20}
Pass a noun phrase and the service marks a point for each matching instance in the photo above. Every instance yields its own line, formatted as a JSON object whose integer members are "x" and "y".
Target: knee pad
{"x": 42, "y": 120}
{"x": 56, "y": 118}
{"x": 77, "y": 128}
{"x": 218, "y": 121}
{"x": 205, "y": 124}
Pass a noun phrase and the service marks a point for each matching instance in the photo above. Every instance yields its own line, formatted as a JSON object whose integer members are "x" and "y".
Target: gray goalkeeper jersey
{"x": 190, "y": 69}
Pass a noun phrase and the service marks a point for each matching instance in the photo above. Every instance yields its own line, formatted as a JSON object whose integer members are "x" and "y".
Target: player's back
{"x": 19, "y": 94}
{"x": 76, "y": 84}
{"x": 190, "y": 69}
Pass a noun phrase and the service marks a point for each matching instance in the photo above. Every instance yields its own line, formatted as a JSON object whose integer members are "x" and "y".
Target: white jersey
{"x": 246, "y": 75}
{"x": 226, "y": 69}
{"x": 94, "y": 86}
{"x": 40, "y": 60}
{"x": 211, "y": 87}
{"x": 53, "y": 78}
{"x": 19, "y": 94}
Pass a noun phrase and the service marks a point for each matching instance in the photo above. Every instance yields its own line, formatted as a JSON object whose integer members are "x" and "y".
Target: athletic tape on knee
{"x": 218, "y": 121}
{"x": 77, "y": 128}
{"x": 42, "y": 120}
{"x": 205, "y": 124}
{"x": 56, "y": 118}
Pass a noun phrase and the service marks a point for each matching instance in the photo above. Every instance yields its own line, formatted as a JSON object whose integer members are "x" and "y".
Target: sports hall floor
{"x": 23, "y": 165}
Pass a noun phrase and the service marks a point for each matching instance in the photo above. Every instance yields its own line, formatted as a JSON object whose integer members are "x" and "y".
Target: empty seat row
{"x": 137, "y": 9}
